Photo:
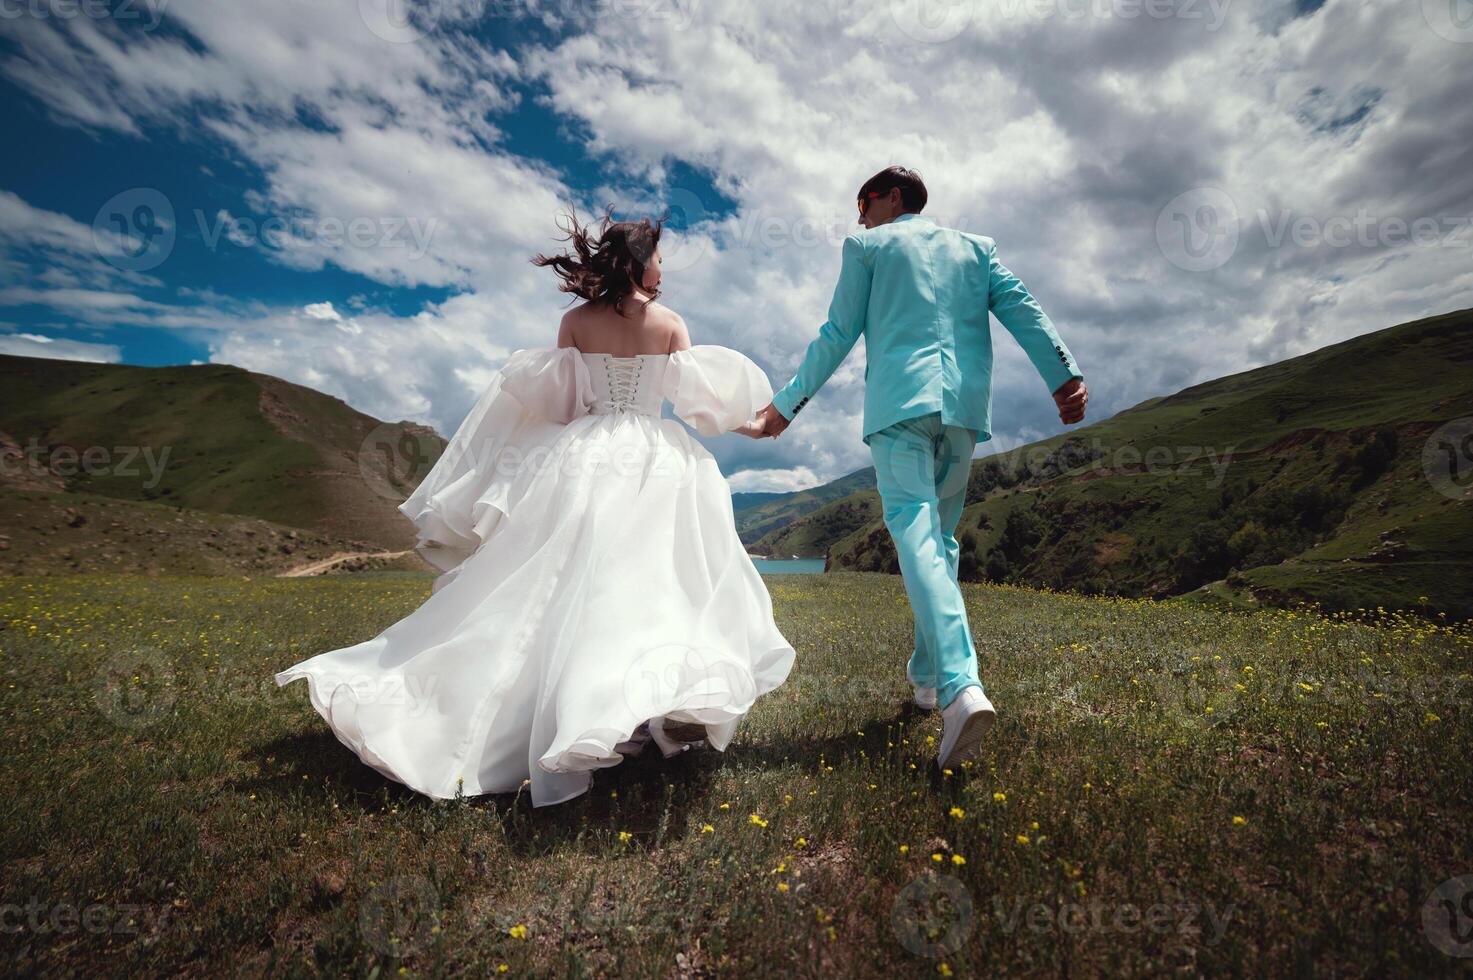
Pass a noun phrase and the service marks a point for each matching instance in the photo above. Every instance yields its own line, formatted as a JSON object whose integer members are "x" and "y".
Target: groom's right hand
{"x": 773, "y": 421}
{"x": 1071, "y": 399}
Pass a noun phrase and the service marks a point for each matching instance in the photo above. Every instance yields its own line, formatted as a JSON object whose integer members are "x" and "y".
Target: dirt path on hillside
{"x": 319, "y": 566}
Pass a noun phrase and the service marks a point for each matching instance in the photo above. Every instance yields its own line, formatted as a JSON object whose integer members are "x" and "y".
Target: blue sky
{"x": 1109, "y": 151}
{"x": 61, "y": 168}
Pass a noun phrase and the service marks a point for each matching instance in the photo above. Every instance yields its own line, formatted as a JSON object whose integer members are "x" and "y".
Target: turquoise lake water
{"x": 788, "y": 566}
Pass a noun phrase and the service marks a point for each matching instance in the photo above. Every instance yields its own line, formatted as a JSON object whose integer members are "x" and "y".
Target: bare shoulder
{"x": 577, "y": 313}
{"x": 567, "y": 333}
{"x": 668, "y": 326}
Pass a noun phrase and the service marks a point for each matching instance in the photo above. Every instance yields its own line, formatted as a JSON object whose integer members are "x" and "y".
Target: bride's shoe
{"x": 675, "y": 737}
{"x": 636, "y": 742}
{"x": 967, "y": 719}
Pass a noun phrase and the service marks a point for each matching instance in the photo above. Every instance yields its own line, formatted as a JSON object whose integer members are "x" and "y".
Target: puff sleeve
{"x": 465, "y": 493}
{"x": 715, "y": 389}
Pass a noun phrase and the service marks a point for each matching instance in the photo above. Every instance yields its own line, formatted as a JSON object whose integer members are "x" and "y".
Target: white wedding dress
{"x": 593, "y": 588}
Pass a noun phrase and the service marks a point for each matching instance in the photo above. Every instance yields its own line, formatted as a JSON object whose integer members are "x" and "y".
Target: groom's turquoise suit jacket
{"x": 920, "y": 295}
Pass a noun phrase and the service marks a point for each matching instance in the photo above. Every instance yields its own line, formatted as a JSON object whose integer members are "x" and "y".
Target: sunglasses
{"x": 865, "y": 199}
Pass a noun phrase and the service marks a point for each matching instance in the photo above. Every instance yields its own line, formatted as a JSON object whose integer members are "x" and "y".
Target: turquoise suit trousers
{"x": 921, "y": 469}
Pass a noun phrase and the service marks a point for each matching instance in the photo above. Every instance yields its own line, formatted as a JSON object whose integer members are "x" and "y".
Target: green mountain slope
{"x": 758, "y": 514}
{"x": 817, "y": 533}
{"x": 1301, "y": 480}
{"x": 199, "y": 440}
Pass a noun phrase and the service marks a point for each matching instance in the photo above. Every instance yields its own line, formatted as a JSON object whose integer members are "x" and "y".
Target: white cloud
{"x": 77, "y": 301}
{"x": 322, "y": 311}
{"x": 1060, "y": 135}
{"x": 39, "y": 345}
{"x": 20, "y": 223}
{"x": 780, "y": 481}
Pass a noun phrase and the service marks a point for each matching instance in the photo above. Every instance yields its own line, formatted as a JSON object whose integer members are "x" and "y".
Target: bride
{"x": 594, "y": 595}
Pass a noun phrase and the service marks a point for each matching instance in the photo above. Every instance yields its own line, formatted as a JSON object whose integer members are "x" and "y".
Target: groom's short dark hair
{"x": 912, "y": 189}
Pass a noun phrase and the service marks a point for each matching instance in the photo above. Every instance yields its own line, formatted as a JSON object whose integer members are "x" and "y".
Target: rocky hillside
{"x": 205, "y": 468}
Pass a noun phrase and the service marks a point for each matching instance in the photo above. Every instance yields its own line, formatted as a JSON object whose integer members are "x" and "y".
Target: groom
{"x": 920, "y": 294}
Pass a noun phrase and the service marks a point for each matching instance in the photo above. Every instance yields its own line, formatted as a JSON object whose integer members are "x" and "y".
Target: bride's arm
{"x": 565, "y": 331}
{"x": 679, "y": 334}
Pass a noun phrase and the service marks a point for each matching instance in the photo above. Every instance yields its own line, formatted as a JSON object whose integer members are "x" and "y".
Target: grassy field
{"x": 1170, "y": 790}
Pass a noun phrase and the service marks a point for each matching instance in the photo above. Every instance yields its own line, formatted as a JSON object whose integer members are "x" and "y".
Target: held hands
{"x": 772, "y": 421}
{"x": 1071, "y": 399}
{"x": 751, "y": 429}
{"x": 769, "y": 424}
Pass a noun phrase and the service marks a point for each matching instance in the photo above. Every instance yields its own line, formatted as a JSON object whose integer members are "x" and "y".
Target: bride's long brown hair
{"x": 607, "y": 265}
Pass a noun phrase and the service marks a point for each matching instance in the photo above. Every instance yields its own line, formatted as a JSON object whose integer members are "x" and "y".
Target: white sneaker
{"x": 925, "y": 697}
{"x": 967, "y": 719}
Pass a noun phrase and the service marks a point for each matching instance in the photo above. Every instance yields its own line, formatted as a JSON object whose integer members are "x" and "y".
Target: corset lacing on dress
{"x": 623, "y": 390}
